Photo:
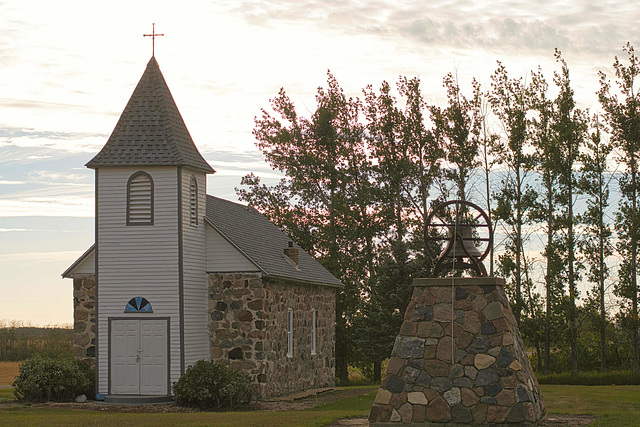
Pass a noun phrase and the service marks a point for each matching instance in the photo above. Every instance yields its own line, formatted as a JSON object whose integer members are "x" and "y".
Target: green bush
{"x": 591, "y": 378}
{"x": 207, "y": 385}
{"x": 57, "y": 379}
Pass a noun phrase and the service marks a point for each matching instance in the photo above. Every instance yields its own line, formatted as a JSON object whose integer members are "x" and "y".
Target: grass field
{"x": 8, "y": 370}
{"x": 613, "y": 406}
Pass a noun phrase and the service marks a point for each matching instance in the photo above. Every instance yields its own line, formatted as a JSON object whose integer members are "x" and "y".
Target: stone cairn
{"x": 478, "y": 375}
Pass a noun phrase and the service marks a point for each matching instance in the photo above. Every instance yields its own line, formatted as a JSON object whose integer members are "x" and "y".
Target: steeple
{"x": 150, "y": 131}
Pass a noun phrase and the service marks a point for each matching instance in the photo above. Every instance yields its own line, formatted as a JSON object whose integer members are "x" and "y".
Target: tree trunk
{"x": 603, "y": 313}
{"x": 634, "y": 261}
{"x": 377, "y": 371}
{"x": 573, "y": 322}
{"x": 518, "y": 244}
{"x": 548, "y": 278}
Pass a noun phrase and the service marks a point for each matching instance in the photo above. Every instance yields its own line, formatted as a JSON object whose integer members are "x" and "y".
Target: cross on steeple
{"x": 153, "y": 36}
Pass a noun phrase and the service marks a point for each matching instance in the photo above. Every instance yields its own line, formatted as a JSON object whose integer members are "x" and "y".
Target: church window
{"x": 193, "y": 201}
{"x": 290, "y": 332}
{"x": 140, "y": 199}
{"x": 138, "y": 305}
{"x": 314, "y": 322}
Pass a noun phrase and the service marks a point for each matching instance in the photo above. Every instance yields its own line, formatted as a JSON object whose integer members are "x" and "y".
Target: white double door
{"x": 139, "y": 356}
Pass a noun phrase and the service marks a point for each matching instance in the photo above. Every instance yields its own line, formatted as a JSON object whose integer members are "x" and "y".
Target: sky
{"x": 68, "y": 68}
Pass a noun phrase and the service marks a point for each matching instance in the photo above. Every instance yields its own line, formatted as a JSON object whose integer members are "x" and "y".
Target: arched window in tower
{"x": 193, "y": 201}
{"x": 140, "y": 199}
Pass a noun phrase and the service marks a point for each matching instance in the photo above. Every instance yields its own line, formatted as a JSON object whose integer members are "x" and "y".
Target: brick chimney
{"x": 291, "y": 253}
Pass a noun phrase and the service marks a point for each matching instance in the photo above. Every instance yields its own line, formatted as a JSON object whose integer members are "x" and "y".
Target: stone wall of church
{"x": 248, "y": 325}
{"x": 84, "y": 318}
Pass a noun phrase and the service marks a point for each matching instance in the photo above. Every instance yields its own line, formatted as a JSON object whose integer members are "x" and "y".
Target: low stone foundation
{"x": 84, "y": 318}
{"x": 460, "y": 363}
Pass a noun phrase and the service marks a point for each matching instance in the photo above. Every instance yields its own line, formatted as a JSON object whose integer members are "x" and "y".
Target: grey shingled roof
{"x": 150, "y": 131}
{"x": 263, "y": 243}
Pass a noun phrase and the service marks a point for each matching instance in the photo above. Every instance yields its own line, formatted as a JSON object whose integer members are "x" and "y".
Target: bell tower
{"x": 150, "y": 241}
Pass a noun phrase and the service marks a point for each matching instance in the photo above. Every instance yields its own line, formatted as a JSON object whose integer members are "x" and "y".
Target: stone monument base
{"x": 459, "y": 360}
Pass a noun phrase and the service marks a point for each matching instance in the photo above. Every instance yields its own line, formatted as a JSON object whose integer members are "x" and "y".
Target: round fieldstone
{"x": 483, "y": 361}
{"x": 493, "y": 311}
{"x": 523, "y": 394}
{"x": 216, "y": 315}
{"x": 441, "y": 384}
{"x": 479, "y": 345}
{"x": 235, "y": 354}
{"x": 463, "y": 382}
{"x": 452, "y": 396}
{"x": 411, "y": 348}
{"x": 460, "y": 414}
{"x": 221, "y": 305}
{"x": 504, "y": 358}
{"x": 395, "y": 384}
{"x": 438, "y": 411}
{"x": 417, "y": 398}
{"x": 422, "y": 314}
{"x": 410, "y": 375}
{"x": 486, "y": 377}
{"x": 517, "y": 413}
{"x": 461, "y": 293}
{"x": 487, "y": 328}
{"x": 492, "y": 389}
{"x": 423, "y": 379}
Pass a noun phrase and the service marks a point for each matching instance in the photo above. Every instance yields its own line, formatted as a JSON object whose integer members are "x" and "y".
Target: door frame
{"x": 166, "y": 319}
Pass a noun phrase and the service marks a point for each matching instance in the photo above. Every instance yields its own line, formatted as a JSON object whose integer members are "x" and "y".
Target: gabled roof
{"x": 150, "y": 131}
{"x": 69, "y": 272}
{"x": 263, "y": 243}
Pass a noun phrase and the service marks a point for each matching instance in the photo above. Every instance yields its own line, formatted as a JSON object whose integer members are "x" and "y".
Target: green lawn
{"x": 613, "y": 405}
{"x": 315, "y": 417}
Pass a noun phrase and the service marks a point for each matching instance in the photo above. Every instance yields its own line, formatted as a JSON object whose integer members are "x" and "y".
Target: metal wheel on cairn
{"x": 467, "y": 231}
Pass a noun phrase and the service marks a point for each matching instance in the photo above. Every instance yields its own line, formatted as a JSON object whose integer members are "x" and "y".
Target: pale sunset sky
{"x": 68, "y": 68}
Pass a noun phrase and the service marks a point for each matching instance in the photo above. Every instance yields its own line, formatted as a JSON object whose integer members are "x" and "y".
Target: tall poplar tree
{"x": 458, "y": 127}
{"x": 515, "y": 196}
{"x": 322, "y": 158}
{"x": 596, "y": 245}
{"x": 621, "y": 105}
{"x": 569, "y": 125}
{"x": 548, "y": 165}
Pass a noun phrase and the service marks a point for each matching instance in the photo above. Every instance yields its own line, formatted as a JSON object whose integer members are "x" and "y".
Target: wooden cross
{"x": 153, "y": 36}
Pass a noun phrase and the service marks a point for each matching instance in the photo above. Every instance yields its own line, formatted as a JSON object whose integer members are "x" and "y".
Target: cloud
{"x": 72, "y": 142}
{"x": 67, "y": 206}
{"x": 515, "y": 26}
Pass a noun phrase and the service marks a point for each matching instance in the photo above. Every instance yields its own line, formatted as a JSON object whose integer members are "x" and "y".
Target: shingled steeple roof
{"x": 150, "y": 131}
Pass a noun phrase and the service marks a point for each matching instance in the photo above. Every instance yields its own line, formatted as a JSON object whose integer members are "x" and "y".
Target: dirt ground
{"x": 8, "y": 371}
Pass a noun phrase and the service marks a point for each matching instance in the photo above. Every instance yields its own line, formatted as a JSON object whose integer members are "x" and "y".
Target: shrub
{"x": 207, "y": 385}
{"x": 591, "y": 378}
{"x": 57, "y": 379}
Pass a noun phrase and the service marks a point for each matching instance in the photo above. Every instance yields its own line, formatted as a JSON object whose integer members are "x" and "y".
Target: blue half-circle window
{"x": 138, "y": 305}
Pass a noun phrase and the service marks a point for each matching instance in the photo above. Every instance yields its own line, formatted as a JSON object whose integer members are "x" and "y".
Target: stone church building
{"x": 176, "y": 275}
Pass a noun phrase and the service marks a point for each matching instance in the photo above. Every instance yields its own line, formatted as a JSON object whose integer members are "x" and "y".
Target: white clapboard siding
{"x": 137, "y": 260}
{"x": 223, "y": 257}
{"x": 196, "y": 337}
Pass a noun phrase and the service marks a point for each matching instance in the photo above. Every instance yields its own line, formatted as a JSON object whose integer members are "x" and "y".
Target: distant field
{"x": 8, "y": 370}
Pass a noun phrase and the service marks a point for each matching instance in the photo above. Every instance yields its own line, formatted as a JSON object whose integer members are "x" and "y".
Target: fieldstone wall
{"x": 248, "y": 325}
{"x": 84, "y": 318}
{"x": 479, "y": 375}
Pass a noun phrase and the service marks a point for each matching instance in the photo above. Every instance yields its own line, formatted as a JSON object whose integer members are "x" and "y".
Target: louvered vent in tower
{"x": 140, "y": 199}
{"x": 193, "y": 203}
